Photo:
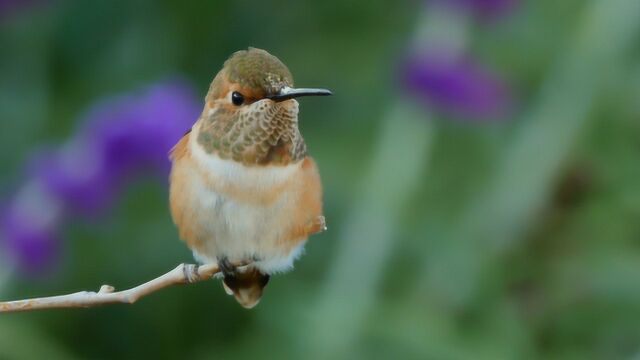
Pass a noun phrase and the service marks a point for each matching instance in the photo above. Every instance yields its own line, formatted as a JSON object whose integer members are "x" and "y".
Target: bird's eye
{"x": 237, "y": 98}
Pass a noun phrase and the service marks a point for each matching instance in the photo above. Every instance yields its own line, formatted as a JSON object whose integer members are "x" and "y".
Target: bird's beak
{"x": 287, "y": 93}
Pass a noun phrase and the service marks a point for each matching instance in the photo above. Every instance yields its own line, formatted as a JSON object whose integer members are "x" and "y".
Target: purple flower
{"x": 486, "y": 9}
{"x": 9, "y": 6}
{"x": 119, "y": 138}
{"x": 456, "y": 86}
{"x": 139, "y": 131}
{"x": 76, "y": 175}
{"x": 28, "y": 229}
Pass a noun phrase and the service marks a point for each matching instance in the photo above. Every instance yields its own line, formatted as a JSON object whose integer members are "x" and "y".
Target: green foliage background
{"x": 517, "y": 239}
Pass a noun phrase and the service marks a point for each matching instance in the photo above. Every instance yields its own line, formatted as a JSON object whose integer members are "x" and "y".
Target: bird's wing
{"x": 180, "y": 149}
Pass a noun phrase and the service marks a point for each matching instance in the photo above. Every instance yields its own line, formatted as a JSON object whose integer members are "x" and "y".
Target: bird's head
{"x": 252, "y": 99}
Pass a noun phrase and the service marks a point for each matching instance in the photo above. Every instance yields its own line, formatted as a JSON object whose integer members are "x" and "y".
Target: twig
{"x": 183, "y": 274}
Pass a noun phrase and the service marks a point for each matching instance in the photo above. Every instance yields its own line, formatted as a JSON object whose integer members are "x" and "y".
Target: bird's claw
{"x": 226, "y": 267}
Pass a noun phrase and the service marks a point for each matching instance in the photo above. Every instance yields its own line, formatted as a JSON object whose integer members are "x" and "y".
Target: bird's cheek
{"x": 290, "y": 105}
{"x": 289, "y": 109}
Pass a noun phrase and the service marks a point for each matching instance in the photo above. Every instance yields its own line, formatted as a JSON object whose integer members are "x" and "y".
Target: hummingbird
{"x": 242, "y": 187}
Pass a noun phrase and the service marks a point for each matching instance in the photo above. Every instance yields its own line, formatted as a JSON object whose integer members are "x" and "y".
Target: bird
{"x": 243, "y": 189}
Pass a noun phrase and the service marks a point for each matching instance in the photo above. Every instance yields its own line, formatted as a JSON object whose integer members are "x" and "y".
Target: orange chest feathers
{"x": 225, "y": 208}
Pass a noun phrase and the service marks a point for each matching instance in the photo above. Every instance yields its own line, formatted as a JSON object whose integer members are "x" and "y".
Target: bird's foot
{"x": 226, "y": 267}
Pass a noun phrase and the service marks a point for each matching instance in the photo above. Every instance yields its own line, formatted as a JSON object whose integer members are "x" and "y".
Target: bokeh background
{"x": 481, "y": 164}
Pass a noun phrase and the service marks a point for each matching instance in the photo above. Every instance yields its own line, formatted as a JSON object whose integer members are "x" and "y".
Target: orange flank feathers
{"x": 242, "y": 185}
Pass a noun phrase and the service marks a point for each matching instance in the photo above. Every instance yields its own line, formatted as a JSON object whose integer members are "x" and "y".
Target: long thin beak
{"x": 287, "y": 93}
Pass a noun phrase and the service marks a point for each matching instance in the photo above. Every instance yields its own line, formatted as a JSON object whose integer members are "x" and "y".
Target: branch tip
{"x": 182, "y": 274}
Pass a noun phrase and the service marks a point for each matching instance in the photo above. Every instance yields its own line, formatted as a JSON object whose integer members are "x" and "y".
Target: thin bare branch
{"x": 182, "y": 274}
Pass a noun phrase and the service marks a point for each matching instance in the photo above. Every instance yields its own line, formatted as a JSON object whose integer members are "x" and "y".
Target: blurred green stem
{"x": 369, "y": 233}
{"x": 398, "y": 167}
{"x": 536, "y": 153}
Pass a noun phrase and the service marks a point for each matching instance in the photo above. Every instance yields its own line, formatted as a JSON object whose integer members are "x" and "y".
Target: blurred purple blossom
{"x": 9, "y": 6}
{"x": 456, "y": 86}
{"x": 118, "y": 138}
{"x": 486, "y": 9}
{"x": 28, "y": 227}
{"x": 33, "y": 249}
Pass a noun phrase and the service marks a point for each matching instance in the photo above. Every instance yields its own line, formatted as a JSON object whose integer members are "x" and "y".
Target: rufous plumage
{"x": 243, "y": 188}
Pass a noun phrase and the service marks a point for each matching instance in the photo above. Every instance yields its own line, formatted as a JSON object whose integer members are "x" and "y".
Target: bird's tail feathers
{"x": 246, "y": 285}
